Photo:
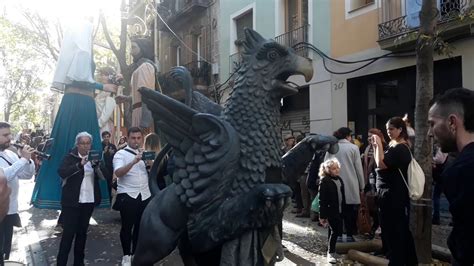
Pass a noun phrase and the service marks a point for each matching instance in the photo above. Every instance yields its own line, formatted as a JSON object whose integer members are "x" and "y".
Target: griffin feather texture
{"x": 223, "y": 154}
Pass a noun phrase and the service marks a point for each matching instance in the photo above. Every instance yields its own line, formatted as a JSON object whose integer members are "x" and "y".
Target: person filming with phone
{"x": 133, "y": 193}
{"x": 80, "y": 174}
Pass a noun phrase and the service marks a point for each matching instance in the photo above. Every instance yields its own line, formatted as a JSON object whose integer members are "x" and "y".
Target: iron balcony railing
{"x": 234, "y": 62}
{"x": 288, "y": 39}
{"x": 448, "y": 11}
{"x": 200, "y": 71}
{"x": 293, "y": 37}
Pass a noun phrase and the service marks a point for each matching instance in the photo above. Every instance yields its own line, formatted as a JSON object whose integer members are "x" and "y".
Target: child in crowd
{"x": 331, "y": 203}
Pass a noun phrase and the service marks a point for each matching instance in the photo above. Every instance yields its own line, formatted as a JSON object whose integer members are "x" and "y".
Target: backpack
{"x": 416, "y": 179}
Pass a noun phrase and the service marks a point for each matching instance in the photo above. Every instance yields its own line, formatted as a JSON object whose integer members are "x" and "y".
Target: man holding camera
{"x": 14, "y": 168}
{"x": 133, "y": 193}
{"x": 80, "y": 176}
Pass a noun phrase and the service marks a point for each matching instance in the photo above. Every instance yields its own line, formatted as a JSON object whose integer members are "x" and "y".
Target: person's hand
{"x": 376, "y": 141}
{"x": 26, "y": 152}
{"x": 324, "y": 222}
{"x": 84, "y": 160}
{"x": 121, "y": 99}
{"x": 4, "y": 196}
{"x": 138, "y": 157}
{"x": 110, "y": 87}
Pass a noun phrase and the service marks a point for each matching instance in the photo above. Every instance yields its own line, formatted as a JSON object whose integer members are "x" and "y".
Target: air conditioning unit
{"x": 215, "y": 69}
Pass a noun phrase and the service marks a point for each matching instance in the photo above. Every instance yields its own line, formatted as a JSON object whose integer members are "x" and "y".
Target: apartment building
{"x": 187, "y": 36}
{"x": 288, "y": 22}
{"x": 372, "y": 28}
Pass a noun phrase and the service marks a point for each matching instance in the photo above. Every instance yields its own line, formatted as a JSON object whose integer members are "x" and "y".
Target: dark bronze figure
{"x": 227, "y": 195}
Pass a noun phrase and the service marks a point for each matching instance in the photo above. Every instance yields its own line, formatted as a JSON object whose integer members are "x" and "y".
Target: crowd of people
{"x": 374, "y": 178}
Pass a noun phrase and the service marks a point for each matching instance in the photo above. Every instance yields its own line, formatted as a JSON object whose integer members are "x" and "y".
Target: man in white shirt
{"x": 80, "y": 193}
{"x": 14, "y": 168}
{"x": 133, "y": 193}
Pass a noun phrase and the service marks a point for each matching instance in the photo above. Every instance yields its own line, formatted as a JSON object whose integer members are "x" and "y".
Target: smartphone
{"x": 94, "y": 155}
{"x": 148, "y": 155}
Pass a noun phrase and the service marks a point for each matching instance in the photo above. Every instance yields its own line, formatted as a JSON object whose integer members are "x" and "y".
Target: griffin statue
{"x": 227, "y": 197}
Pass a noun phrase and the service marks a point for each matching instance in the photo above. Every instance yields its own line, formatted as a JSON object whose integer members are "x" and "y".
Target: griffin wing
{"x": 206, "y": 149}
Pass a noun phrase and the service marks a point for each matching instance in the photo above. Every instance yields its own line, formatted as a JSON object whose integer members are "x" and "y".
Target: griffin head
{"x": 274, "y": 63}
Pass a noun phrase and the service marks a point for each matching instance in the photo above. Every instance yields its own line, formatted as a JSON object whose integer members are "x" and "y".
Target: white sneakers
{"x": 331, "y": 258}
{"x": 127, "y": 260}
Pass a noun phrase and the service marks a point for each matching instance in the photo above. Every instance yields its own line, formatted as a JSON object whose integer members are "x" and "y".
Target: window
{"x": 296, "y": 14}
{"x": 356, "y": 4}
{"x": 198, "y": 50}
{"x": 244, "y": 21}
{"x": 243, "y": 18}
{"x": 178, "y": 56}
{"x": 356, "y": 8}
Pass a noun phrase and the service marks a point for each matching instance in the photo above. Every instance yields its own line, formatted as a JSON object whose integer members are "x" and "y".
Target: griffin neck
{"x": 254, "y": 111}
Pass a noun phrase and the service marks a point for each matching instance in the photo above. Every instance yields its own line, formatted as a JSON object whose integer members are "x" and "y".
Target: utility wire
{"x": 368, "y": 60}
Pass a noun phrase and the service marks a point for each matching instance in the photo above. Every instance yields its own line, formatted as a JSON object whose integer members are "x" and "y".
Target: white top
{"x": 351, "y": 172}
{"x": 20, "y": 169}
{"x": 75, "y": 56}
{"x": 135, "y": 182}
{"x": 86, "y": 194}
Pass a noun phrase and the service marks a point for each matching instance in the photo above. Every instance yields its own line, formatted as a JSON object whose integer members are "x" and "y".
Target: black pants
{"x": 6, "y": 236}
{"x": 400, "y": 246}
{"x": 75, "y": 224}
{"x": 131, "y": 212}
{"x": 334, "y": 230}
{"x": 350, "y": 213}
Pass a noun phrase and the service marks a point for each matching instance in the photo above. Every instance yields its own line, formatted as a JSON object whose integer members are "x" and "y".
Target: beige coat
{"x": 143, "y": 76}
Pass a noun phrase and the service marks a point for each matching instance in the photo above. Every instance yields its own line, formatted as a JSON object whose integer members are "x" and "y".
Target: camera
{"x": 94, "y": 155}
{"x": 148, "y": 155}
{"x": 112, "y": 79}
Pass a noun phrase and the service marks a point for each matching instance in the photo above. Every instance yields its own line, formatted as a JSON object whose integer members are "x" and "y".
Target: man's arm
{"x": 69, "y": 167}
{"x": 121, "y": 168}
{"x": 4, "y": 196}
{"x": 16, "y": 169}
{"x": 358, "y": 168}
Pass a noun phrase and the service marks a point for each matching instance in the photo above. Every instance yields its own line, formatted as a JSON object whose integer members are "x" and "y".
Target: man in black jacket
{"x": 80, "y": 193}
{"x": 451, "y": 121}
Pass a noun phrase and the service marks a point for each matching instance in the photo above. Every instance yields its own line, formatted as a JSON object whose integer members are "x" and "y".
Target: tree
{"x": 21, "y": 71}
{"x": 421, "y": 212}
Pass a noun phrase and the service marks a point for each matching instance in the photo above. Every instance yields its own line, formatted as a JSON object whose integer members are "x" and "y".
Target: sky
{"x": 67, "y": 11}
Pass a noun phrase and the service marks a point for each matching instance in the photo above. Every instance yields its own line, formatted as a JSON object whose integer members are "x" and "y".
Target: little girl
{"x": 331, "y": 203}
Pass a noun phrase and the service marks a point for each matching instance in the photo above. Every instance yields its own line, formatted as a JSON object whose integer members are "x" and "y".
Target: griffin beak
{"x": 305, "y": 68}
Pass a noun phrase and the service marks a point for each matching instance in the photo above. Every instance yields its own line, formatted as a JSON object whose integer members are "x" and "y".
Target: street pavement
{"x": 37, "y": 242}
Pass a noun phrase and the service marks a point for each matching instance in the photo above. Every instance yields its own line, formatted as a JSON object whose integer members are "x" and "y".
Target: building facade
{"x": 187, "y": 36}
{"x": 367, "y": 29}
{"x": 288, "y": 22}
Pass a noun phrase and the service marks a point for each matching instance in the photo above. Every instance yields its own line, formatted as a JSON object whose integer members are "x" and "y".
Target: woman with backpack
{"x": 392, "y": 192}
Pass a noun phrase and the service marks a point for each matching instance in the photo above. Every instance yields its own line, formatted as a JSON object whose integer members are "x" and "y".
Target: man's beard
{"x": 448, "y": 143}
{"x": 4, "y": 146}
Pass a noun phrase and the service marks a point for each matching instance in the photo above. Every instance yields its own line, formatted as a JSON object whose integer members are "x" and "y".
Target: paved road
{"x": 36, "y": 243}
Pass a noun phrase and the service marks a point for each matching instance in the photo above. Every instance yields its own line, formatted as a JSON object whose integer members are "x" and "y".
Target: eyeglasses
{"x": 84, "y": 143}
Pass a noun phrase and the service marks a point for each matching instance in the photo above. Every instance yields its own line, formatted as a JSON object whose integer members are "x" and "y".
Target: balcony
{"x": 293, "y": 37}
{"x": 454, "y": 22}
{"x": 201, "y": 74}
{"x": 234, "y": 62}
{"x": 182, "y": 12}
{"x": 287, "y": 39}
{"x": 200, "y": 71}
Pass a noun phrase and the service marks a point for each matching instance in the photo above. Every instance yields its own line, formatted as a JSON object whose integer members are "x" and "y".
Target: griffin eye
{"x": 273, "y": 55}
